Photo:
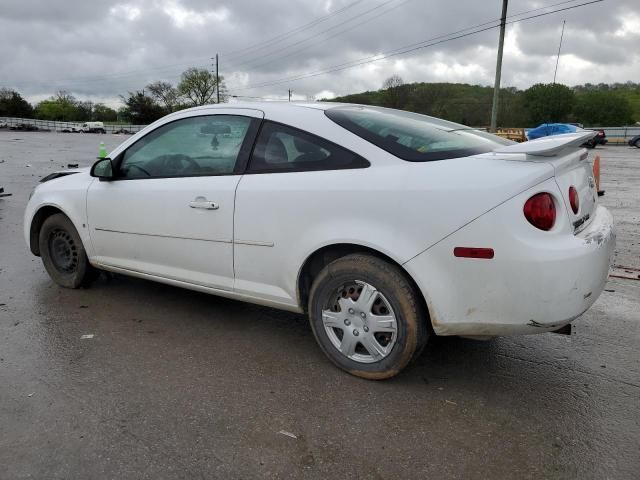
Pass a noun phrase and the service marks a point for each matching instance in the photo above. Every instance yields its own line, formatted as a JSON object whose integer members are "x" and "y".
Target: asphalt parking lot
{"x": 178, "y": 384}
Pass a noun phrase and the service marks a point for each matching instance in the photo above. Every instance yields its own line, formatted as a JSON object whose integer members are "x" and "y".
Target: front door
{"x": 169, "y": 212}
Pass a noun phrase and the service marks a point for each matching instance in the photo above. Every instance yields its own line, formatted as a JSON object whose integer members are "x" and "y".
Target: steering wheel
{"x": 175, "y": 162}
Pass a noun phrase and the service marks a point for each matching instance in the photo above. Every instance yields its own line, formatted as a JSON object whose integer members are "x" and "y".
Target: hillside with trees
{"x": 591, "y": 105}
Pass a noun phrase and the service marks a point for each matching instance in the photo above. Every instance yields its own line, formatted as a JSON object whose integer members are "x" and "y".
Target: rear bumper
{"x": 535, "y": 283}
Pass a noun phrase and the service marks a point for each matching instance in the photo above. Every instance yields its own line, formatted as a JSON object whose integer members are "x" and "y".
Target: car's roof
{"x": 272, "y": 106}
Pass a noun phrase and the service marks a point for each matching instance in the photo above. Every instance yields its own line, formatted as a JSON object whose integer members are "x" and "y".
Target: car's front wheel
{"x": 63, "y": 254}
{"x": 366, "y": 316}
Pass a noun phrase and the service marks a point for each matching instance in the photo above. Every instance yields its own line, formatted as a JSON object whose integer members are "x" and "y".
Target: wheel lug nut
{"x": 351, "y": 311}
{"x": 356, "y": 332}
{"x": 347, "y": 322}
{"x": 365, "y": 328}
{"x": 363, "y": 315}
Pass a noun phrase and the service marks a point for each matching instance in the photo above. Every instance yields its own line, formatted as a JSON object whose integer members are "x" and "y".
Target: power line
{"x": 408, "y": 49}
{"x": 102, "y": 79}
{"x": 386, "y": 11}
{"x": 296, "y": 52}
{"x": 366, "y": 12}
{"x": 278, "y": 38}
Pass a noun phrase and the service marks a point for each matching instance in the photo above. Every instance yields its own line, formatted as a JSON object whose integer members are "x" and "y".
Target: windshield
{"x": 414, "y": 137}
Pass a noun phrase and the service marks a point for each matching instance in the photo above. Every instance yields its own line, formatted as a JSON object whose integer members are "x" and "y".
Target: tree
{"x": 62, "y": 106}
{"x": 84, "y": 111}
{"x": 198, "y": 87}
{"x": 165, "y": 94}
{"x": 603, "y": 108}
{"x": 141, "y": 109}
{"x": 52, "y": 109}
{"x": 13, "y": 105}
{"x": 102, "y": 113}
{"x": 393, "y": 91}
{"x": 548, "y": 103}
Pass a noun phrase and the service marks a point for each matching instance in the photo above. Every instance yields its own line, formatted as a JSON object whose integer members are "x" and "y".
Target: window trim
{"x": 246, "y": 149}
{"x": 266, "y": 121}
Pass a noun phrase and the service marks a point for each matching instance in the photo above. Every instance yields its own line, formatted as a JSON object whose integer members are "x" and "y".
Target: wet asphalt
{"x": 178, "y": 384}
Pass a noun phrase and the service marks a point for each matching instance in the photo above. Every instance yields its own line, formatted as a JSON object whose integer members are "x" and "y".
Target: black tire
{"x": 637, "y": 144}
{"x": 63, "y": 254}
{"x": 400, "y": 294}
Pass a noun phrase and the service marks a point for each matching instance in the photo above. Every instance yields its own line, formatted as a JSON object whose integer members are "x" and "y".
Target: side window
{"x": 285, "y": 149}
{"x": 206, "y": 145}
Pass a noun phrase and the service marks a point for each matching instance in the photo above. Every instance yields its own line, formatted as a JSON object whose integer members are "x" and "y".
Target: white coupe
{"x": 386, "y": 227}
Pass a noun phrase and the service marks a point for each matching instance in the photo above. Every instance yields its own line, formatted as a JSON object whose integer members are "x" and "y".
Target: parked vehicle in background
{"x": 3, "y": 124}
{"x": 549, "y": 129}
{"x": 599, "y": 139}
{"x": 27, "y": 127}
{"x": 92, "y": 127}
{"x": 635, "y": 141}
{"x": 515, "y": 134}
{"x": 385, "y": 226}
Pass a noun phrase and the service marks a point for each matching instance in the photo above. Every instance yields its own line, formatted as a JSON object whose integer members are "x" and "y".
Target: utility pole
{"x": 496, "y": 86}
{"x": 217, "y": 80}
{"x": 559, "y": 47}
{"x": 289, "y": 94}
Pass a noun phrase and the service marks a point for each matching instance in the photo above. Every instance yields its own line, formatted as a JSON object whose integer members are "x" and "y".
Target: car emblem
{"x": 592, "y": 182}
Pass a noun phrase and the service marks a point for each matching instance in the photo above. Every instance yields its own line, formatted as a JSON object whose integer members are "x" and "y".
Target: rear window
{"x": 414, "y": 137}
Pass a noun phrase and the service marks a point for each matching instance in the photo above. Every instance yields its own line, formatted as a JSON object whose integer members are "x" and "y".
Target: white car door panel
{"x": 150, "y": 226}
{"x": 170, "y": 211}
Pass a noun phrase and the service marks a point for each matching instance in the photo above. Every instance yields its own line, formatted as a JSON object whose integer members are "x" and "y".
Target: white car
{"x": 386, "y": 227}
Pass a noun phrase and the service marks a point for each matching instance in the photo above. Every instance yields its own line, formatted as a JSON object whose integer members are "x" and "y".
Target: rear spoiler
{"x": 549, "y": 146}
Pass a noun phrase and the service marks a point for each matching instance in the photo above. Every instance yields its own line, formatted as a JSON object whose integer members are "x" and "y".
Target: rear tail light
{"x": 540, "y": 211}
{"x": 574, "y": 201}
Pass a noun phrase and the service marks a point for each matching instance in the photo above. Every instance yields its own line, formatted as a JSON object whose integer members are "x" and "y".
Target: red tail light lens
{"x": 574, "y": 201}
{"x": 540, "y": 211}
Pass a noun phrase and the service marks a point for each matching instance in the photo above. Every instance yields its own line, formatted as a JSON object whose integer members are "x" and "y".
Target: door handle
{"x": 204, "y": 204}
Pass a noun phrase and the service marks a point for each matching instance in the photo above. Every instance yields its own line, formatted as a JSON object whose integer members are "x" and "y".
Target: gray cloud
{"x": 99, "y": 50}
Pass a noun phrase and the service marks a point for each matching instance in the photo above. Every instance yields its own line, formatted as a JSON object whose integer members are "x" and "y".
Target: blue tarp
{"x": 547, "y": 129}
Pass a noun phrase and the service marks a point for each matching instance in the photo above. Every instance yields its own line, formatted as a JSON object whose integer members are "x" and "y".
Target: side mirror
{"x": 102, "y": 169}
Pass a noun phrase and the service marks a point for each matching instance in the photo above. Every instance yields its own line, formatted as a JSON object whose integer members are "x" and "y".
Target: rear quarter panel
{"x": 395, "y": 207}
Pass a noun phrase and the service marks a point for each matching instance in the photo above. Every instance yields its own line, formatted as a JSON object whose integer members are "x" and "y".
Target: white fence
{"x": 616, "y": 135}
{"x": 619, "y": 134}
{"x": 53, "y": 126}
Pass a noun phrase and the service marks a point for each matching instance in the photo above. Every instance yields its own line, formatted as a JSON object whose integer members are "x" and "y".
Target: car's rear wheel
{"x": 366, "y": 316}
{"x": 63, "y": 254}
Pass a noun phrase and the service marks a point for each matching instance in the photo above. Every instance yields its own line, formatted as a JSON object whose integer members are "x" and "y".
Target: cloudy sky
{"x": 100, "y": 49}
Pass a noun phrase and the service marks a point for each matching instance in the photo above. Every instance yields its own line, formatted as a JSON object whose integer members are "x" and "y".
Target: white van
{"x": 92, "y": 127}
